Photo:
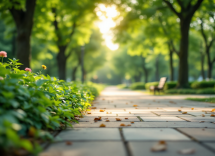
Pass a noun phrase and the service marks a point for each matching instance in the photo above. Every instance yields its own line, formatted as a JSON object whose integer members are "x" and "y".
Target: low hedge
{"x": 191, "y": 91}
{"x": 122, "y": 86}
{"x": 33, "y": 104}
{"x": 203, "y": 84}
{"x": 137, "y": 86}
{"x": 170, "y": 85}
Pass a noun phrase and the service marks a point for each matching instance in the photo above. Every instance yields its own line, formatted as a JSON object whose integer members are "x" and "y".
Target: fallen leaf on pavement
{"x": 98, "y": 119}
{"x": 93, "y": 107}
{"x": 184, "y": 113}
{"x": 213, "y": 110}
{"x": 88, "y": 112}
{"x": 126, "y": 118}
{"x": 122, "y": 124}
{"x": 128, "y": 125}
{"x": 102, "y": 125}
{"x": 107, "y": 120}
{"x": 102, "y": 110}
{"x": 160, "y": 146}
{"x": 186, "y": 151}
{"x": 134, "y": 105}
{"x": 68, "y": 143}
{"x": 118, "y": 119}
{"x": 132, "y": 122}
{"x": 192, "y": 108}
{"x": 203, "y": 115}
{"x": 212, "y": 115}
{"x": 179, "y": 110}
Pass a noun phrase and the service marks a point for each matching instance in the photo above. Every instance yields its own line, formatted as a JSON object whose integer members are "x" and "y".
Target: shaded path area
{"x": 133, "y": 122}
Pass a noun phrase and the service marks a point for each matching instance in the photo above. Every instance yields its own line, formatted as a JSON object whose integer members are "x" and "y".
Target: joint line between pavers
{"x": 155, "y": 113}
{"x": 141, "y": 120}
{"x": 49, "y": 143}
{"x": 127, "y": 149}
{"x": 183, "y": 118}
{"x": 195, "y": 140}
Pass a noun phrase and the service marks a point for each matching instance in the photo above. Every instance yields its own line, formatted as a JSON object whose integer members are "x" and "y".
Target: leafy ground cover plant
{"x": 32, "y": 105}
{"x": 209, "y": 99}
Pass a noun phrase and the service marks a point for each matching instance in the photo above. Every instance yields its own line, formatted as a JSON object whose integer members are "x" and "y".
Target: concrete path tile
{"x": 86, "y": 149}
{"x": 111, "y": 119}
{"x": 89, "y": 134}
{"x": 152, "y": 134}
{"x": 144, "y": 148}
{"x": 210, "y": 145}
{"x": 201, "y": 134}
{"x": 162, "y": 119}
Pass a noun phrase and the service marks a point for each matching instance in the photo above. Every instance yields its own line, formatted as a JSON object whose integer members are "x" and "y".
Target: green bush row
{"x": 137, "y": 86}
{"x": 32, "y": 104}
{"x": 203, "y": 84}
{"x": 191, "y": 91}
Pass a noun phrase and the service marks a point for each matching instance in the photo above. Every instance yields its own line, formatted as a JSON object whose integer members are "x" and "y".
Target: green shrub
{"x": 190, "y": 91}
{"x": 203, "y": 84}
{"x": 147, "y": 85}
{"x": 122, "y": 86}
{"x": 170, "y": 85}
{"x": 137, "y": 85}
{"x": 32, "y": 104}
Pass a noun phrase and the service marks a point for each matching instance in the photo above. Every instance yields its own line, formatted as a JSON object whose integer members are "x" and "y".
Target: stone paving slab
{"x": 152, "y": 134}
{"x": 162, "y": 119}
{"x": 89, "y": 134}
{"x": 144, "y": 148}
{"x": 111, "y": 119}
{"x": 86, "y": 149}
{"x": 201, "y": 134}
{"x": 210, "y": 145}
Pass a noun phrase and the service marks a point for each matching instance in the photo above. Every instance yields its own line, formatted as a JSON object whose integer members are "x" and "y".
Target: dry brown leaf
{"x": 128, "y": 125}
{"x": 187, "y": 151}
{"x": 122, "y": 124}
{"x": 184, "y": 113}
{"x": 134, "y": 105}
{"x": 213, "y": 110}
{"x": 179, "y": 110}
{"x": 68, "y": 143}
{"x": 93, "y": 107}
{"x": 106, "y": 112}
{"x": 192, "y": 108}
{"x": 172, "y": 102}
{"x": 126, "y": 118}
{"x": 102, "y": 110}
{"x": 212, "y": 115}
{"x": 118, "y": 119}
{"x": 107, "y": 120}
{"x": 160, "y": 146}
{"x": 102, "y": 125}
{"x": 132, "y": 122}
{"x": 201, "y": 121}
{"x": 98, "y": 119}
{"x": 203, "y": 115}
{"x": 88, "y": 112}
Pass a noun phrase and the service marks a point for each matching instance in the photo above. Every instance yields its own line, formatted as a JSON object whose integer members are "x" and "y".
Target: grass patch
{"x": 210, "y": 100}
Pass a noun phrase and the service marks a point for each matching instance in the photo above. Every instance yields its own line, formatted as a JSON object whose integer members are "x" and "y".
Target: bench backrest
{"x": 162, "y": 82}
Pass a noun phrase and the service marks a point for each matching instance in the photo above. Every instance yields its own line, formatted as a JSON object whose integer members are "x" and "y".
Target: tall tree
{"x": 23, "y": 14}
{"x": 187, "y": 10}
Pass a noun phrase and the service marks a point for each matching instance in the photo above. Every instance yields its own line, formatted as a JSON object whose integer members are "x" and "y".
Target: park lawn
{"x": 210, "y": 100}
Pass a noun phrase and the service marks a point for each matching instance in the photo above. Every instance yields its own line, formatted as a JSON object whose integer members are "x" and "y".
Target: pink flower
{"x": 28, "y": 69}
{"x": 3, "y": 54}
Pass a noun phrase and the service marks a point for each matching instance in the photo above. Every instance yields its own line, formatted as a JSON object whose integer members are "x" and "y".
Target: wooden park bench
{"x": 160, "y": 85}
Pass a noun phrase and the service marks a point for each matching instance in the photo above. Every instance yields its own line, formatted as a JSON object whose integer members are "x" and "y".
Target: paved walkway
{"x": 146, "y": 124}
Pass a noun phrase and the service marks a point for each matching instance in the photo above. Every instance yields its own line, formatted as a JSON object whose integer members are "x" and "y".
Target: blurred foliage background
{"x": 115, "y": 41}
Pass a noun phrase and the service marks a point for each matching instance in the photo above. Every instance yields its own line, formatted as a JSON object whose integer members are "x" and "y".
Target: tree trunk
{"x": 24, "y": 24}
{"x": 23, "y": 49}
{"x": 209, "y": 63}
{"x": 202, "y": 66}
{"x": 183, "y": 53}
{"x": 137, "y": 78}
{"x": 171, "y": 65}
{"x": 61, "y": 61}
{"x": 146, "y": 74}
{"x": 74, "y": 73}
{"x": 157, "y": 69}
